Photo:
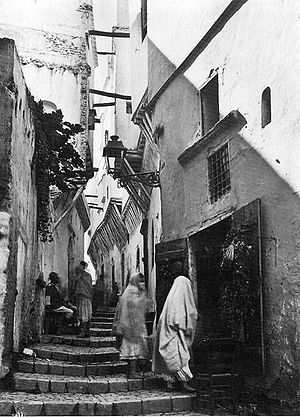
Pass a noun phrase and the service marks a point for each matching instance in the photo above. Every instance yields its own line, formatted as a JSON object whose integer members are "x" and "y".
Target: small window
{"x": 128, "y": 107}
{"x": 144, "y": 18}
{"x": 106, "y": 134}
{"x": 266, "y": 107}
{"x": 209, "y": 95}
{"x": 219, "y": 173}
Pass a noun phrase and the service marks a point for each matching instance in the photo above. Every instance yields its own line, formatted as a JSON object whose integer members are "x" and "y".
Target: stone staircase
{"x": 84, "y": 376}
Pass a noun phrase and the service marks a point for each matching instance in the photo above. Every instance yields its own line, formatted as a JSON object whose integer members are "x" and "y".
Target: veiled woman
{"x": 130, "y": 323}
{"x": 174, "y": 335}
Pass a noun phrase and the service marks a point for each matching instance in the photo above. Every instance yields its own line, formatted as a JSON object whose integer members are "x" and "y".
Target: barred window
{"x": 218, "y": 173}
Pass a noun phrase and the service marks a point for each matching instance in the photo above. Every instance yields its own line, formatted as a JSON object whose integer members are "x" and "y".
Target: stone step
{"x": 76, "y": 341}
{"x": 101, "y": 325}
{"x": 55, "y": 367}
{"x": 75, "y": 354}
{"x": 144, "y": 402}
{"x": 94, "y": 331}
{"x": 103, "y": 319}
{"x": 110, "y": 315}
{"x": 42, "y": 383}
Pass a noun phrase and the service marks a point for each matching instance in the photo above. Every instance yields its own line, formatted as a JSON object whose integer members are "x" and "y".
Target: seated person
{"x": 55, "y": 299}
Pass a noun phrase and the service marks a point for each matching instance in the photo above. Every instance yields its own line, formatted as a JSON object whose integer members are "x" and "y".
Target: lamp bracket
{"x": 150, "y": 179}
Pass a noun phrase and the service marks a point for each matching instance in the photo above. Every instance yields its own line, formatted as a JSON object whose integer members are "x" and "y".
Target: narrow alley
{"x": 149, "y": 207}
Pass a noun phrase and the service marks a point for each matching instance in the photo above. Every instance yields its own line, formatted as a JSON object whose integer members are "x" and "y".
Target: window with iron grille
{"x": 219, "y": 173}
{"x": 144, "y": 18}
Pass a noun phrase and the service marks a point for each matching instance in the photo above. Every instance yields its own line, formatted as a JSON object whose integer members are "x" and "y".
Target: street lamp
{"x": 117, "y": 164}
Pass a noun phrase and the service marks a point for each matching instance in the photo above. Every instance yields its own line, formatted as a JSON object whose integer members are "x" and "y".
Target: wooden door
{"x": 249, "y": 218}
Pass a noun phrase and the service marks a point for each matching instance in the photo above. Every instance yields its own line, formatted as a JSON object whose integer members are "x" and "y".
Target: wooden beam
{"x": 107, "y": 94}
{"x": 109, "y": 34}
{"x": 104, "y": 105}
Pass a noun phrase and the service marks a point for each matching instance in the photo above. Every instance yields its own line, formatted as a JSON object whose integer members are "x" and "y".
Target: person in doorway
{"x": 174, "y": 335}
{"x": 130, "y": 323}
{"x": 56, "y": 301}
{"x": 83, "y": 291}
{"x": 114, "y": 298}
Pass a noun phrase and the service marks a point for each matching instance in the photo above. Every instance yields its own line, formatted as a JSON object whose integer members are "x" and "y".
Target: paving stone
{"x": 104, "y": 369}
{"x": 135, "y": 384}
{"x": 82, "y": 342}
{"x": 91, "y": 369}
{"x": 85, "y": 357}
{"x": 181, "y": 402}
{"x": 60, "y": 356}
{"x": 86, "y": 408}
{"x": 76, "y": 386}
{"x": 153, "y": 383}
{"x": 41, "y": 367}
{"x": 95, "y": 386}
{"x": 57, "y": 340}
{"x": 118, "y": 384}
{"x": 24, "y": 383}
{"x": 6, "y": 408}
{"x": 68, "y": 341}
{"x": 44, "y": 385}
{"x": 157, "y": 405}
{"x": 74, "y": 370}
{"x": 25, "y": 366}
{"x": 104, "y": 409}
{"x": 28, "y": 408}
{"x": 128, "y": 407}
{"x": 43, "y": 353}
{"x": 55, "y": 408}
{"x": 57, "y": 369}
{"x": 119, "y": 368}
{"x": 58, "y": 386}
{"x": 46, "y": 338}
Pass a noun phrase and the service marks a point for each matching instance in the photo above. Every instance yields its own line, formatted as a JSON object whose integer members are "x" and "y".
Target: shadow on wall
{"x": 252, "y": 177}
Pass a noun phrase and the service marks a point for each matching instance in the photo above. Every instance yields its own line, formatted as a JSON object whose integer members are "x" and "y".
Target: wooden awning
{"x": 110, "y": 232}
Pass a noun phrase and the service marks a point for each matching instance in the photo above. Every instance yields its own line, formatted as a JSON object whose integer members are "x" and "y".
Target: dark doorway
{"x": 166, "y": 254}
{"x": 207, "y": 246}
{"x": 212, "y": 283}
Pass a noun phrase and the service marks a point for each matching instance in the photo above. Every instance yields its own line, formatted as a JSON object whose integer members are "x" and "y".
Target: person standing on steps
{"x": 129, "y": 323}
{"x": 175, "y": 333}
{"x": 83, "y": 291}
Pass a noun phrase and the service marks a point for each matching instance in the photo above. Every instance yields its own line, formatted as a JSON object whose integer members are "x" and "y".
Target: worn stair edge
{"x": 101, "y": 325}
{"x": 82, "y": 355}
{"x": 94, "y": 331}
{"x": 96, "y": 342}
{"x": 104, "y": 314}
{"x": 103, "y": 319}
{"x": 42, "y": 383}
{"x": 134, "y": 403}
{"x": 44, "y": 366}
